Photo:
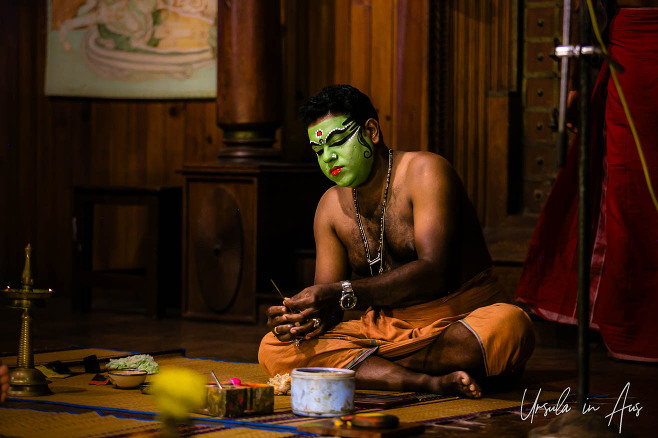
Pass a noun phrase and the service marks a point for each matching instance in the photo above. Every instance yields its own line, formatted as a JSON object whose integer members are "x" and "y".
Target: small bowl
{"x": 130, "y": 378}
{"x": 146, "y": 388}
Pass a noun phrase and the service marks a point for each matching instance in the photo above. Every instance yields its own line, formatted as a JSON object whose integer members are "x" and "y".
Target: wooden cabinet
{"x": 244, "y": 225}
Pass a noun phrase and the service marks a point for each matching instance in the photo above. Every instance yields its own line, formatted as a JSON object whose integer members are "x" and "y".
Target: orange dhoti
{"x": 504, "y": 331}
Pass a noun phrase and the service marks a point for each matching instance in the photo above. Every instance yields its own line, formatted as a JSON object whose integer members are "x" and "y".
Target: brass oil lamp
{"x": 25, "y": 380}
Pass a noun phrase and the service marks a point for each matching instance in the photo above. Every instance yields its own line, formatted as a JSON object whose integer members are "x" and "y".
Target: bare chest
{"x": 365, "y": 242}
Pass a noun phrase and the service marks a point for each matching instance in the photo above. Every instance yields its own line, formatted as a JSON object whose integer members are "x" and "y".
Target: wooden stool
{"x": 159, "y": 278}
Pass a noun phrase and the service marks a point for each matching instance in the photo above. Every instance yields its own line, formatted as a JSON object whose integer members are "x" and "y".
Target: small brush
{"x": 277, "y": 289}
{"x": 216, "y": 379}
{"x": 282, "y": 297}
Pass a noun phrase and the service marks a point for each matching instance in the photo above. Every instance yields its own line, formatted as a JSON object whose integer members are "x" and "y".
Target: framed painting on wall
{"x": 134, "y": 49}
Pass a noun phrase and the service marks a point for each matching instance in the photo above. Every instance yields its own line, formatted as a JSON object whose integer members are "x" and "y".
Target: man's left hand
{"x": 318, "y": 308}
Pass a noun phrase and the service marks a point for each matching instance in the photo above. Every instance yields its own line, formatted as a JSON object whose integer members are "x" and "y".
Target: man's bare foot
{"x": 456, "y": 383}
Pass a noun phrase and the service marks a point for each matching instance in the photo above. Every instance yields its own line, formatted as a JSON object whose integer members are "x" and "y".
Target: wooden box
{"x": 235, "y": 401}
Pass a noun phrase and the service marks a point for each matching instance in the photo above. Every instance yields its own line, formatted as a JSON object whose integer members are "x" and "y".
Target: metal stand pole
{"x": 584, "y": 54}
{"x": 584, "y": 135}
{"x": 562, "y": 137}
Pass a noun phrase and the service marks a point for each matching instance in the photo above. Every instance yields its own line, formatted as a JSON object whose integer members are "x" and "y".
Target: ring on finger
{"x": 275, "y": 330}
{"x": 316, "y": 322}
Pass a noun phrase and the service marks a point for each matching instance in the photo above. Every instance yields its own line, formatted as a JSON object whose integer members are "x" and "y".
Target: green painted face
{"x": 341, "y": 156}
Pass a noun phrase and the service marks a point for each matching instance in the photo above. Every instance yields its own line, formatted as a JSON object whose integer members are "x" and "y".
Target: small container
{"x": 322, "y": 392}
{"x": 126, "y": 379}
{"x": 238, "y": 400}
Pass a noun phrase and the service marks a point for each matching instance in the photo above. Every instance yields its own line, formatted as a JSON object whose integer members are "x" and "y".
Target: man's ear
{"x": 372, "y": 130}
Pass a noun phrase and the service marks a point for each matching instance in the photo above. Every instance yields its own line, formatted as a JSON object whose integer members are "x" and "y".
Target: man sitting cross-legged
{"x": 398, "y": 237}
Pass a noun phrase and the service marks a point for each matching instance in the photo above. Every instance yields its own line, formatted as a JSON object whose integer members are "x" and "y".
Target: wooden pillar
{"x": 249, "y": 82}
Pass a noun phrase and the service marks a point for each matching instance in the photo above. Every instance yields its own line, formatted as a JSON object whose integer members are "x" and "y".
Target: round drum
{"x": 322, "y": 392}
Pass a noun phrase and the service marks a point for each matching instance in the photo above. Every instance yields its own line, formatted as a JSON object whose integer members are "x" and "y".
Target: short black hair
{"x": 338, "y": 99}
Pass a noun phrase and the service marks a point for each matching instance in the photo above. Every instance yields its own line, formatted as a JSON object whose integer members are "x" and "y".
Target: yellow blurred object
{"x": 179, "y": 391}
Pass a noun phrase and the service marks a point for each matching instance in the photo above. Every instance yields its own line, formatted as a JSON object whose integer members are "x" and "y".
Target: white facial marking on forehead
{"x": 321, "y": 142}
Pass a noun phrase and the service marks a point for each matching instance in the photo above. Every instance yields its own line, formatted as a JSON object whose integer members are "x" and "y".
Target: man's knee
{"x": 459, "y": 338}
{"x": 524, "y": 331}
{"x": 507, "y": 334}
{"x": 457, "y": 348}
{"x": 265, "y": 356}
{"x": 520, "y": 336}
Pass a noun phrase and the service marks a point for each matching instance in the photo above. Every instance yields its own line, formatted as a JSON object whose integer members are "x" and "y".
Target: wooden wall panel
{"x": 173, "y": 141}
{"x": 319, "y": 34}
{"x": 502, "y": 49}
{"x": 409, "y": 121}
{"x": 361, "y": 45}
{"x": 200, "y": 137}
{"x": 342, "y": 49}
{"x": 9, "y": 139}
{"x": 378, "y": 46}
{"x": 381, "y": 77}
{"x": 295, "y": 53}
{"x": 50, "y": 144}
{"x": 481, "y": 56}
{"x": 484, "y": 21}
{"x": 153, "y": 117}
{"x": 27, "y": 136}
{"x": 387, "y": 59}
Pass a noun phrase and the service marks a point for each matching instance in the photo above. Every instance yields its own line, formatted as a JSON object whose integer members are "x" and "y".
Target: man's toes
{"x": 469, "y": 387}
{"x": 458, "y": 383}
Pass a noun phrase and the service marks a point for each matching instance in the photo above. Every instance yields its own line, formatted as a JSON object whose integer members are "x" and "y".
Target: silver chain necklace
{"x": 380, "y": 252}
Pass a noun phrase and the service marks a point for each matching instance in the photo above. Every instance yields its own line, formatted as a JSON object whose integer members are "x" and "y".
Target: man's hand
{"x": 319, "y": 308}
{"x": 281, "y": 320}
{"x": 308, "y": 314}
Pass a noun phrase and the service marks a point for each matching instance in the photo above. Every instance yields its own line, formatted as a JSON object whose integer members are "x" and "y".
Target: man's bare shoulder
{"x": 426, "y": 167}
{"x": 331, "y": 204}
{"x": 330, "y": 198}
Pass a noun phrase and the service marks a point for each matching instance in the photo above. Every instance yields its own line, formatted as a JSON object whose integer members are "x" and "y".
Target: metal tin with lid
{"x": 322, "y": 392}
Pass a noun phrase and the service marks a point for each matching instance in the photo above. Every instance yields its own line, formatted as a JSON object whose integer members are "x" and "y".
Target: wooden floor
{"x": 552, "y": 367}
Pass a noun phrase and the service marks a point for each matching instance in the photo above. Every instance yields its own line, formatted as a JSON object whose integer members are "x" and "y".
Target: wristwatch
{"x": 348, "y": 298}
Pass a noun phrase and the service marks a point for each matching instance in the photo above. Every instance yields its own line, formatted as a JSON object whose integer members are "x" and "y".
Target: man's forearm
{"x": 416, "y": 282}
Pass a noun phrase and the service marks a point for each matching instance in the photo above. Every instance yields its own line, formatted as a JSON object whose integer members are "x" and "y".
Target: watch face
{"x": 348, "y": 301}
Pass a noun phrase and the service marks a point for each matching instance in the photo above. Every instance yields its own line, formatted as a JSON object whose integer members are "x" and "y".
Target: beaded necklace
{"x": 380, "y": 252}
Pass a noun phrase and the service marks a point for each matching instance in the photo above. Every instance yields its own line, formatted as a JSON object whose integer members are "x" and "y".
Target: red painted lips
{"x": 336, "y": 170}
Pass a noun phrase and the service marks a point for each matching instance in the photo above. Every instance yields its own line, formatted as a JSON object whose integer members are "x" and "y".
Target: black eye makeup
{"x": 335, "y": 132}
{"x": 341, "y": 141}
{"x": 348, "y": 125}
